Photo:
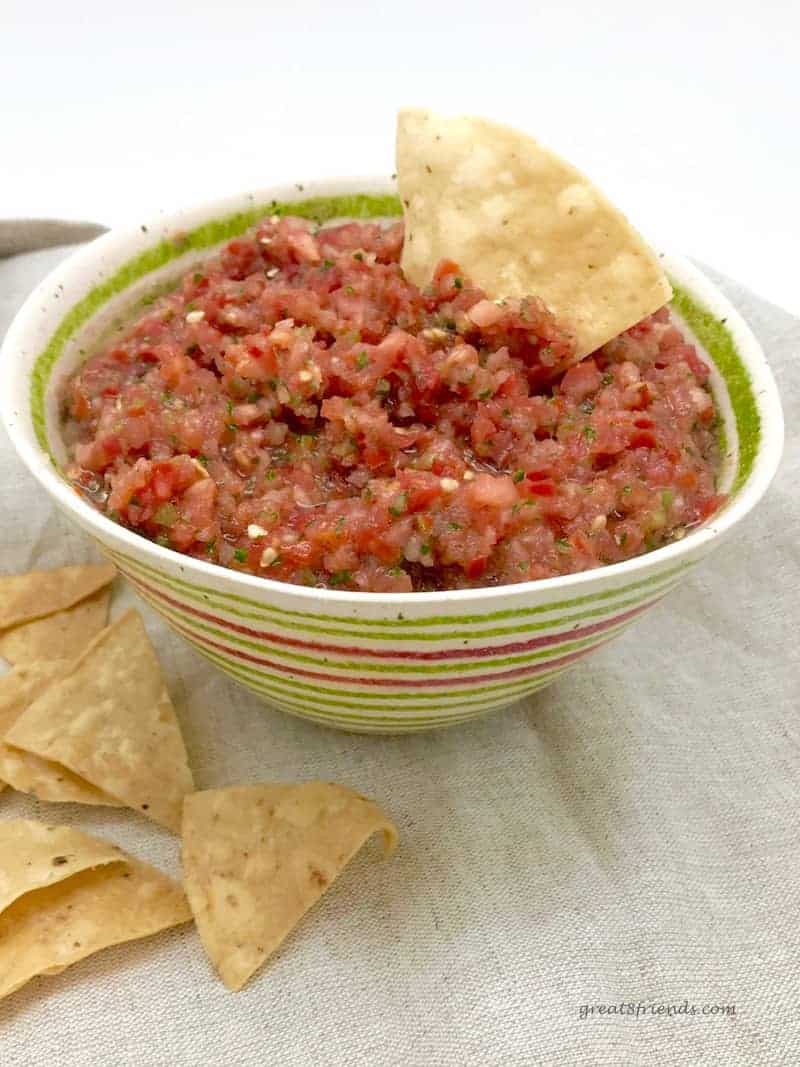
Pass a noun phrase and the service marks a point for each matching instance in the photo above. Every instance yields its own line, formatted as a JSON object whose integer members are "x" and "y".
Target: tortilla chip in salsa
{"x": 519, "y": 220}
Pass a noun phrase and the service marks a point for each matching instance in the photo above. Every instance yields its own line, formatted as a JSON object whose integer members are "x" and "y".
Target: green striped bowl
{"x": 363, "y": 661}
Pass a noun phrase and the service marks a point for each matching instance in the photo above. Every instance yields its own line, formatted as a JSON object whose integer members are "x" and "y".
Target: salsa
{"x": 297, "y": 409}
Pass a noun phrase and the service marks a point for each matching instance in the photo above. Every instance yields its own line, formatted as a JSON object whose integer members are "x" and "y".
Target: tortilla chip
{"x": 256, "y": 858}
{"x": 35, "y": 854}
{"x": 106, "y": 898}
{"x": 110, "y": 721}
{"x": 63, "y": 635}
{"x": 519, "y": 222}
{"x": 23, "y": 770}
{"x": 24, "y": 597}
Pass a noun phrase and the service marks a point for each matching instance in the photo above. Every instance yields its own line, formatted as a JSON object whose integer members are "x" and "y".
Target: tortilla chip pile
{"x": 85, "y": 717}
{"x": 519, "y": 221}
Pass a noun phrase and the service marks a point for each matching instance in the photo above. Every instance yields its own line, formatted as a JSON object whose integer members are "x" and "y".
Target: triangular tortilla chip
{"x": 256, "y": 858}
{"x": 62, "y": 635}
{"x": 112, "y": 898}
{"x": 36, "y": 854}
{"x": 110, "y": 720}
{"x": 24, "y": 597}
{"x": 519, "y": 222}
{"x": 23, "y": 770}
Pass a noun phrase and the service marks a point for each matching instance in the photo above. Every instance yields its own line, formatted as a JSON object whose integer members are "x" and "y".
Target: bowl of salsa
{"x": 381, "y": 505}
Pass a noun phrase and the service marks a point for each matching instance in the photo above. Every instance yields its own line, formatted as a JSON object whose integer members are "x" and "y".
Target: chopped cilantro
{"x": 340, "y": 578}
{"x": 627, "y": 489}
{"x": 518, "y": 475}
{"x": 484, "y": 394}
{"x": 590, "y": 433}
{"x": 454, "y": 526}
{"x": 359, "y": 256}
{"x": 458, "y": 283}
{"x": 166, "y": 514}
{"x": 563, "y": 544}
{"x": 362, "y": 360}
{"x": 240, "y": 555}
{"x": 400, "y": 505}
{"x": 349, "y": 290}
{"x": 607, "y": 379}
{"x": 383, "y": 387}
{"x": 202, "y": 459}
{"x": 327, "y": 264}
{"x": 197, "y": 277}
{"x": 666, "y": 498}
{"x": 229, "y": 406}
{"x": 425, "y": 549}
{"x": 211, "y": 548}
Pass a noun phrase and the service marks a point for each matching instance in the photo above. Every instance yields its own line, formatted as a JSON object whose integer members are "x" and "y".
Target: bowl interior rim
{"x": 118, "y": 247}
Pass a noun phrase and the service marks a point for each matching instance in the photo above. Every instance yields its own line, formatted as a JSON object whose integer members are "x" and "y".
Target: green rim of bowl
{"x": 712, "y": 332}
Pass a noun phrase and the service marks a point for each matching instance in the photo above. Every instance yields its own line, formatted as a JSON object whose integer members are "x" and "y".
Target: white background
{"x": 687, "y": 113}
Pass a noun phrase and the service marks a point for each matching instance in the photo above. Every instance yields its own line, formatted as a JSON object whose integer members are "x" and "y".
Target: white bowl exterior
{"x": 371, "y": 662}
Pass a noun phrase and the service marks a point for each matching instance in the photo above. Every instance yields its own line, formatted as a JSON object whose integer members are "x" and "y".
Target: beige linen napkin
{"x": 628, "y": 836}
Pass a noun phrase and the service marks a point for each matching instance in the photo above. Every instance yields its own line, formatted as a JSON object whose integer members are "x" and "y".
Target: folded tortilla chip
{"x": 24, "y": 597}
{"x": 65, "y": 911}
{"x": 23, "y": 770}
{"x": 256, "y": 858}
{"x": 519, "y": 222}
{"x": 110, "y": 721}
{"x": 62, "y": 635}
{"x": 36, "y": 854}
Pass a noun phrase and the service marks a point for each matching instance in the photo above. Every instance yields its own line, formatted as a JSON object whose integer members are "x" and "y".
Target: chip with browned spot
{"x": 65, "y": 895}
{"x": 257, "y": 857}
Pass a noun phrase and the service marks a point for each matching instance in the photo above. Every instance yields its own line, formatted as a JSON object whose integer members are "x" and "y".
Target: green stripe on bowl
{"x": 448, "y": 710}
{"x": 357, "y": 667}
{"x": 307, "y": 620}
{"x": 299, "y": 689}
{"x": 718, "y": 342}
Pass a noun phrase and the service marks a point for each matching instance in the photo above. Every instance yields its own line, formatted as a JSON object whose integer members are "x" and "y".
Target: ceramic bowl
{"x": 364, "y": 661}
